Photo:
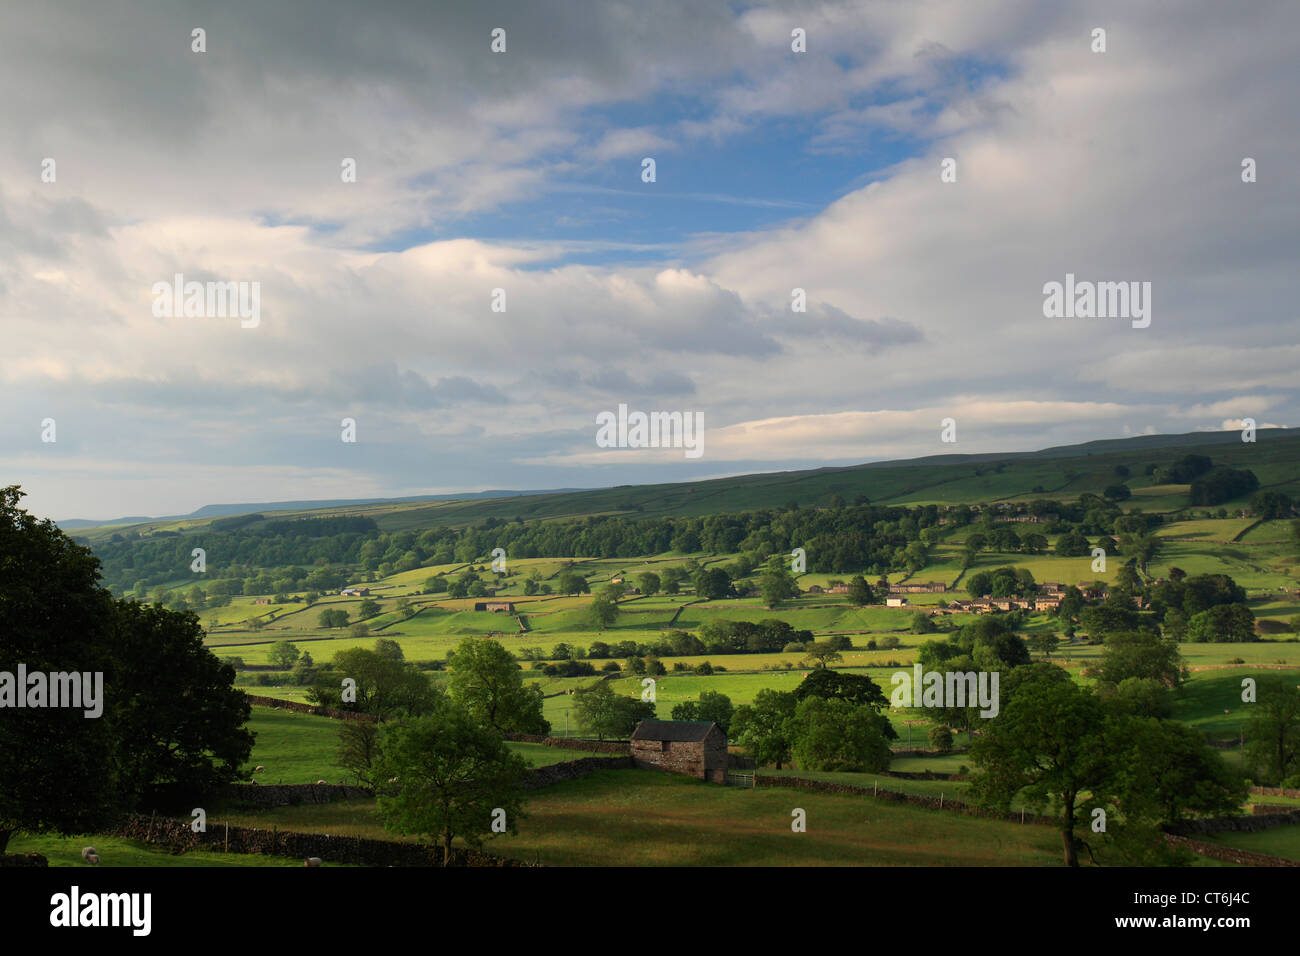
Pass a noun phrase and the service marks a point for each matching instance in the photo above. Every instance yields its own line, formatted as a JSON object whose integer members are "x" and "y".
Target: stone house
{"x": 506, "y": 607}
{"x": 691, "y": 747}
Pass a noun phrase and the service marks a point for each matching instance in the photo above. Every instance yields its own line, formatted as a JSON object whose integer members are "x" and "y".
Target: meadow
{"x": 646, "y": 818}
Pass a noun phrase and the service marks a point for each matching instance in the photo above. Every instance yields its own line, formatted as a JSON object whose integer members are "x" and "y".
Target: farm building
{"x": 896, "y": 602}
{"x": 507, "y": 607}
{"x": 355, "y": 592}
{"x": 262, "y": 601}
{"x": 692, "y": 747}
{"x": 923, "y": 587}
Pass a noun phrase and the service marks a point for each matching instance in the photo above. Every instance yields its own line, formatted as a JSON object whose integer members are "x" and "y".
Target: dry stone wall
{"x": 331, "y": 849}
{"x": 301, "y": 708}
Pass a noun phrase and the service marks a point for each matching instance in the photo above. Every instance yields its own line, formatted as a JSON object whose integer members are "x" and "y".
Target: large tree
{"x": 1273, "y": 732}
{"x": 763, "y": 727}
{"x": 1047, "y": 743}
{"x": 384, "y": 687}
{"x": 57, "y": 770}
{"x": 175, "y": 709}
{"x": 489, "y": 684}
{"x": 837, "y": 735}
{"x": 776, "y": 584}
{"x": 167, "y": 715}
{"x": 453, "y": 775}
{"x": 1143, "y": 654}
{"x": 604, "y": 713}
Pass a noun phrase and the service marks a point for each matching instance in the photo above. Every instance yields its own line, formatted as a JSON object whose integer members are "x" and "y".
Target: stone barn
{"x": 695, "y": 748}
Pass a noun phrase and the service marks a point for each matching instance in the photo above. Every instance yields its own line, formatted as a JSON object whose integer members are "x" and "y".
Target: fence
{"x": 740, "y": 779}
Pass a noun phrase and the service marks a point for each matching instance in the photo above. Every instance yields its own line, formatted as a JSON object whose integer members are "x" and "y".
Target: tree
{"x": 1273, "y": 732}
{"x": 1045, "y": 642}
{"x": 1117, "y": 493}
{"x": 762, "y": 728}
{"x": 648, "y": 582}
{"x": 822, "y": 653}
{"x": 776, "y": 584}
{"x": 712, "y": 584}
{"x": 672, "y": 578}
{"x": 359, "y": 630}
{"x": 1047, "y": 741}
{"x": 1163, "y": 773}
{"x": 1072, "y": 544}
{"x": 452, "y": 776}
{"x": 368, "y": 608}
{"x": 384, "y": 687}
{"x": 330, "y": 618}
{"x": 712, "y": 706}
{"x": 162, "y": 709}
{"x": 56, "y": 766}
{"x": 389, "y": 648}
{"x": 857, "y": 689}
{"x": 602, "y": 613}
{"x": 177, "y": 715}
{"x": 359, "y": 751}
{"x": 1141, "y": 654}
{"x": 922, "y": 623}
{"x": 838, "y": 735}
{"x": 283, "y": 654}
{"x": 1227, "y": 623}
{"x": 602, "y": 712}
{"x": 570, "y": 582}
{"x": 860, "y": 591}
{"x": 941, "y": 738}
{"x": 487, "y": 682}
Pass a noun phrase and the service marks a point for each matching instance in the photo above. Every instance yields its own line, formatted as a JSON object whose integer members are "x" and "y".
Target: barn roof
{"x": 673, "y": 730}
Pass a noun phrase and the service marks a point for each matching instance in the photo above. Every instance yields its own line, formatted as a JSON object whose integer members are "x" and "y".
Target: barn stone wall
{"x": 704, "y": 760}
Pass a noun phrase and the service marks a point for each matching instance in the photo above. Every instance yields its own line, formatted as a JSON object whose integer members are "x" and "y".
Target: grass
{"x": 303, "y": 748}
{"x": 646, "y": 818}
{"x": 117, "y": 851}
{"x": 1279, "y": 841}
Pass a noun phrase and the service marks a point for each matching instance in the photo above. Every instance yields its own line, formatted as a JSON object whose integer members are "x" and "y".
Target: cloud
{"x": 924, "y": 297}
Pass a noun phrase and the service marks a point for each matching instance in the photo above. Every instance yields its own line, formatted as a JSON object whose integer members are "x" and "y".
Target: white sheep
{"x": 253, "y": 781}
{"x": 90, "y": 855}
{"x": 312, "y": 861}
{"x": 320, "y": 781}
{"x": 259, "y": 769}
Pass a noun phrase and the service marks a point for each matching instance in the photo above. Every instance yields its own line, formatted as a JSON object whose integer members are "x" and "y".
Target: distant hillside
{"x": 221, "y": 511}
{"x": 1064, "y": 472}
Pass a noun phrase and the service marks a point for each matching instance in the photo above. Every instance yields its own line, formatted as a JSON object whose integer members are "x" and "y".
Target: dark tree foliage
{"x": 1223, "y": 484}
{"x": 855, "y": 688}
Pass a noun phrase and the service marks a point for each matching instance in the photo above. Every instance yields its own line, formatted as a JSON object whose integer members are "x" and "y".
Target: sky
{"x": 522, "y": 171}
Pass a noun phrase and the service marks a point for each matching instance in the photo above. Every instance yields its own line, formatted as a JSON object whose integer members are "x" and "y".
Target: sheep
{"x": 320, "y": 781}
{"x": 90, "y": 855}
{"x": 312, "y": 861}
{"x": 259, "y": 769}
{"x": 253, "y": 781}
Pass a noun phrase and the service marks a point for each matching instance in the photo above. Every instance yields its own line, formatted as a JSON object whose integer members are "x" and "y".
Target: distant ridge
{"x": 1063, "y": 472}
{"x": 222, "y": 511}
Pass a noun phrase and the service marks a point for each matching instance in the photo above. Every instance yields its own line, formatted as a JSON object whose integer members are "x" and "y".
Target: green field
{"x": 116, "y": 851}
{"x": 645, "y": 818}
